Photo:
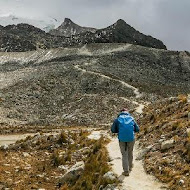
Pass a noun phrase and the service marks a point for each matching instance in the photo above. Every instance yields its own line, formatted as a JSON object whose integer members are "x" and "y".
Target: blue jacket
{"x": 125, "y": 126}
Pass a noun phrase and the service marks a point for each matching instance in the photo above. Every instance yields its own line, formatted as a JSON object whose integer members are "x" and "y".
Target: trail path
{"x": 139, "y": 107}
{"x": 138, "y": 179}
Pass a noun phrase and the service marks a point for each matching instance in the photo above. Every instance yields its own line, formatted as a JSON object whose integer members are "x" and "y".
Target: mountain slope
{"x": 69, "y": 28}
{"x": 24, "y": 37}
{"x": 88, "y": 85}
{"x": 164, "y": 134}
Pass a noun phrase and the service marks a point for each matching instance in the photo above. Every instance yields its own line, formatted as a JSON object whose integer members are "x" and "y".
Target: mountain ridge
{"x": 13, "y": 37}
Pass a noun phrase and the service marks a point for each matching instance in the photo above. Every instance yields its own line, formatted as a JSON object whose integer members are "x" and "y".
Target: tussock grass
{"x": 95, "y": 167}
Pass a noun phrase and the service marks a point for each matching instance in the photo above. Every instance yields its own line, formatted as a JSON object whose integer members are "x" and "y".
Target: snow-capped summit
{"x": 46, "y": 25}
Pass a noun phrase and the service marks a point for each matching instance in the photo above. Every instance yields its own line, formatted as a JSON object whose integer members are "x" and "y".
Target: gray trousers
{"x": 127, "y": 155}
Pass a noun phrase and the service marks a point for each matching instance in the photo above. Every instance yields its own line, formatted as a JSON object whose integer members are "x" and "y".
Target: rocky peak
{"x": 67, "y": 22}
{"x": 120, "y": 22}
{"x": 69, "y": 28}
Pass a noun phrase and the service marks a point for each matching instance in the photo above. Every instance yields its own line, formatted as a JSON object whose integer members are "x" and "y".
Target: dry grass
{"x": 162, "y": 121}
{"x": 41, "y": 168}
{"x": 182, "y": 98}
{"x": 95, "y": 167}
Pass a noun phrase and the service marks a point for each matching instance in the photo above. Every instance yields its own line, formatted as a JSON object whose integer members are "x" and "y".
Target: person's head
{"x": 124, "y": 110}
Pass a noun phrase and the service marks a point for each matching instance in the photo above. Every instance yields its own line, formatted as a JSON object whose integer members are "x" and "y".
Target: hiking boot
{"x": 125, "y": 173}
{"x": 130, "y": 169}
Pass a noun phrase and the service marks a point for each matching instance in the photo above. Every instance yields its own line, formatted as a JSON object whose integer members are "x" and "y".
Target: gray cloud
{"x": 167, "y": 20}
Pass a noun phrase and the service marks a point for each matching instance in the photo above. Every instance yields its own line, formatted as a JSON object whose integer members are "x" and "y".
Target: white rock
{"x": 62, "y": 167}
{"x": 181, "y": 182}
{"x": 5, "y": 146}
{"x": 188, "y": 98}
{"x": 188, "y": 132}
{"x": 26, "y": 154}
{"x": 167, "y": 144}
{"x": 73, "y": 173}
{"x": 109, "y": 175}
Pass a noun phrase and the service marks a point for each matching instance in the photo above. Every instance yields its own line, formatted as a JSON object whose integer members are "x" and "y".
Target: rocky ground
{"x": 86, "y": 86}
{"x": 165, "y": 138}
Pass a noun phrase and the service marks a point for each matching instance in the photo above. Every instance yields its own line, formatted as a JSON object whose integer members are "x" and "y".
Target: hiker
{"x": 125, "y": 126}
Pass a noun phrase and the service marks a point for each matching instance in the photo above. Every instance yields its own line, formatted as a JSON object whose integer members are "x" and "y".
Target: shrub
{"x": 182, "y": 98}
{"x": 63, "y": 138}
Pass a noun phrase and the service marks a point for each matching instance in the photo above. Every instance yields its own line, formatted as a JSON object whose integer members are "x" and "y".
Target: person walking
{"x": 126, "y": 127}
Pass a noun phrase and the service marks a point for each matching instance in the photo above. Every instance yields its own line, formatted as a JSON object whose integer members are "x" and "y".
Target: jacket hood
{"x": 124, "y": 113}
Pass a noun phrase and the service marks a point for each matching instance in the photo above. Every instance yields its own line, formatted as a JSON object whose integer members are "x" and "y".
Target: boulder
{"x": 167, "y": 144}
{"x": 73, "y": 173}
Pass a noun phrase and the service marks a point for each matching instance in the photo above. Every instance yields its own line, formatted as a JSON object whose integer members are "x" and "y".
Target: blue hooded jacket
{"x": 125, "y": 126}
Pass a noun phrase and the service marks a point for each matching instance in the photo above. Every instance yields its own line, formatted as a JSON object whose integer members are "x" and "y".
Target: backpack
{"x": 126, "y": 128}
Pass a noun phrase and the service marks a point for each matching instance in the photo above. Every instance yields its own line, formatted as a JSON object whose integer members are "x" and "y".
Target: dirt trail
{"x": 138, "y": 178}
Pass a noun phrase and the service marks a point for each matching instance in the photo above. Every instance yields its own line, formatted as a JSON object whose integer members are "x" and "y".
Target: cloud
{"x": 167, "y": 20}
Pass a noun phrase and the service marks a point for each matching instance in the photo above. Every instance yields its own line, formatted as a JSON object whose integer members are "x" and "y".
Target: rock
{"x": 73, "y": 173}
{"x": 189, "y": 115}
{"x": 109, "y": 175}
{"x": 26, "y": 154}
{"x": 62, "y": 167}
{"x": 142, "y": 153}
{"x": 109, "y": 187}
{"x": 84, "y": 150}
{"x": 188, "y": 132}
{"x": 188, "y": 98}
{"x": 181, "y": 182}
{"x": 4, "y": 147}
{"x": 167, "y": 144}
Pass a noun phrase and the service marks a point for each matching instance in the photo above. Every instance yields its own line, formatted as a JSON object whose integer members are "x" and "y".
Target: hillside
{"x": 88, "y": 85}
{"x": 165, "y": 135}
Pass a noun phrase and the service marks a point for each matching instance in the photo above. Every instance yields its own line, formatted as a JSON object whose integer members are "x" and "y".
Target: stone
{"x": 109, "y": 187}
{"x": 73, "y": 173}
{"x": 62, "y": 167}
{"x": 188, "y": 132}
{"x": 167, "y": 144}
{"x": 188, "y": 98}
{"x": 26, "y": 154}
{"x": 109, "y": 175}
{"x": 4, "y": 147}
{"x": 181, "y": 182}
{"x": 142, "y": 153}
{"x": 189, "y": 115}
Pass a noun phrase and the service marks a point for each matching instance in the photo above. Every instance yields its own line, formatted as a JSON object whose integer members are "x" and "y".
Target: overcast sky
{"x": 167, "y": 20}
